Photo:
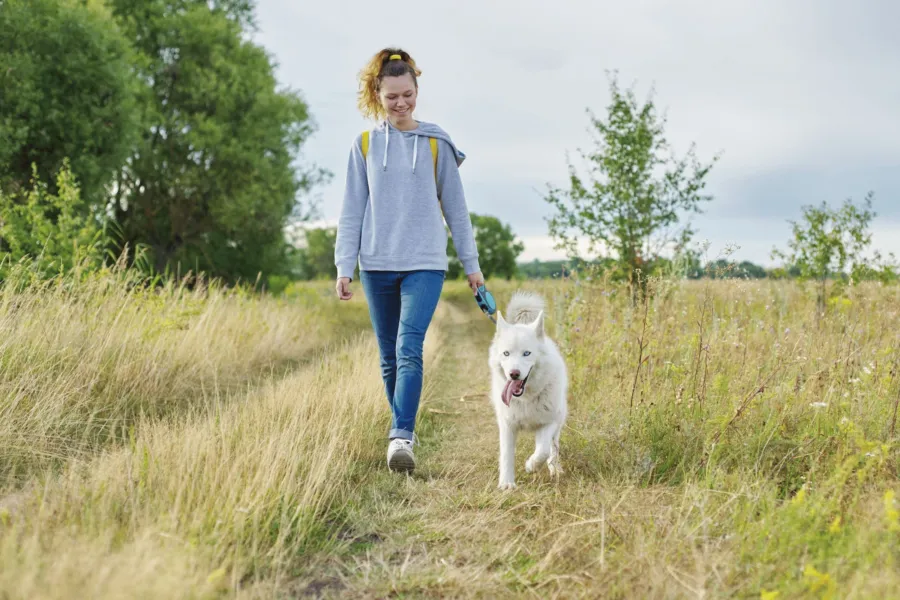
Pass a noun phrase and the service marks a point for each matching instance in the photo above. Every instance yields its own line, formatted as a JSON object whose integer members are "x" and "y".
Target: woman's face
{"x": 398, "y": 97}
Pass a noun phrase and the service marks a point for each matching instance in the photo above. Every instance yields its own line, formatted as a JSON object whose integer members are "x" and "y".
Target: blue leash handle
{"x": 486, "y": 302}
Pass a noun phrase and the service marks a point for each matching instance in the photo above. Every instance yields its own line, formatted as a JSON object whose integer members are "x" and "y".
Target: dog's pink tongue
{"x": 513, "y": 386}
{"x": 507, "y": 391}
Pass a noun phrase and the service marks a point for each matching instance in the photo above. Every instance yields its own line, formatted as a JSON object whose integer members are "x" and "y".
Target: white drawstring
{"x": 387, "y": 131}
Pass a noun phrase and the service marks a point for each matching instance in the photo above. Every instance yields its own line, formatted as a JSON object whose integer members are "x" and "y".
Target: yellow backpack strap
{"x": 365, "y": 143}
{"x": 434, "y": 155}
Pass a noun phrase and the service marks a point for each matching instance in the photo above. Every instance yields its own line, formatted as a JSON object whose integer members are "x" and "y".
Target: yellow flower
{"x": 835, "y": 525}
{"x": 816, "y": 581}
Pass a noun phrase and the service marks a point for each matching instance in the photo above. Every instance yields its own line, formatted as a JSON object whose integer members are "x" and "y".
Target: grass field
{"x": 724, "y": 441}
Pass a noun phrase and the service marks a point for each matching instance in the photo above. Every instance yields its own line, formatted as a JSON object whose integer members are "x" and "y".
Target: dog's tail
{"x": 524, "y": 307}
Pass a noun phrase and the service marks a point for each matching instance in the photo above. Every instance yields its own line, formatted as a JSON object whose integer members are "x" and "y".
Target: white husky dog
{"x": 529, "y": 382}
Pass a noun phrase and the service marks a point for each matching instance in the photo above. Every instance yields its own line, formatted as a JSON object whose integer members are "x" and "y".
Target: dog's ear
{"x": 501, "y": 322}
{"x": 538, "y": 324}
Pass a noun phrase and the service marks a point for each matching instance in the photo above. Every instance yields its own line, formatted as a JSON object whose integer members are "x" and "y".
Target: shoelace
{"x": 412, "y": 442}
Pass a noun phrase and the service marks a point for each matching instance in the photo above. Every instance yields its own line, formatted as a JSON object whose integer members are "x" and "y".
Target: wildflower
{"x": 835, "y": 526}
{"x": 816, "y": 580}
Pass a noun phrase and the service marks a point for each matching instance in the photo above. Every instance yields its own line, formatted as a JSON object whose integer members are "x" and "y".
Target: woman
{"x": 391, "y": 225}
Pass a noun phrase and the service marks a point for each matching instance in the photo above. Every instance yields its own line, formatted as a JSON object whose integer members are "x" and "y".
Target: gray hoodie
{"x": 391, "y": 218}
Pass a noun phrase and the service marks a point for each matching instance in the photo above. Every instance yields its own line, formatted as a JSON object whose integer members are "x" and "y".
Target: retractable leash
{"x": 486, "y": 302}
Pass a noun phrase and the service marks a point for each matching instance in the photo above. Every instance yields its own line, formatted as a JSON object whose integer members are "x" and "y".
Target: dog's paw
{"x": 555, "y": 468}
{"x": 534, "y": 463}
{"x": 506, "y": 485}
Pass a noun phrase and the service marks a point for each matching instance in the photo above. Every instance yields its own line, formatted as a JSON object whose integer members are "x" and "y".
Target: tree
{"x": 497, "y": 246}
{"x": 637, "y": 192}
{"x": 215, "y": 179}
{"x": 67, "y": 92}
{"x": 827, "y": 241}
{"x": 314, "y": 258}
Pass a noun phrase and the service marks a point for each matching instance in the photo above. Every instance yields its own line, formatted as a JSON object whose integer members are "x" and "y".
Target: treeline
{"x": 717, "y": 269}
{"x": 152, "y": 126}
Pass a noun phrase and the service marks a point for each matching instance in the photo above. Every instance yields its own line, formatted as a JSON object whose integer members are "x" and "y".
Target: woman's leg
{"x": 382, "y": 289}
{"x": 419, "y": 295}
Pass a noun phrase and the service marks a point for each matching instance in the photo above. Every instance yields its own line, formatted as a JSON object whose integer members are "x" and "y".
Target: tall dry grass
{"x": 82, "y": 362}
{"x": 225, "y": 493}
{"x": 209, "y": 500}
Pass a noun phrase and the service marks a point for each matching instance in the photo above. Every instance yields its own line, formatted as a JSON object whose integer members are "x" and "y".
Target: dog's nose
{"x": 514, "y": 374}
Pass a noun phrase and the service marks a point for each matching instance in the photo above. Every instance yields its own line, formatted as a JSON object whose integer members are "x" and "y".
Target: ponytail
{"x": 389, "y": 62}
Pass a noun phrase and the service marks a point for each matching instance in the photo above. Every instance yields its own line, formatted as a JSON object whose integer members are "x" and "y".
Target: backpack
{"x": 431, "y": 142}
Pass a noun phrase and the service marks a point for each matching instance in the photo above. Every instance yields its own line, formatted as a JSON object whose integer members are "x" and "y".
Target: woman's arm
{"x": 456, "y": 212}
{"x": 349, "y": 230}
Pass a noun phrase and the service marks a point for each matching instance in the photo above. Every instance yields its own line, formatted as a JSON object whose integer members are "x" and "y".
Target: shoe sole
{"x": 401, "y": 461}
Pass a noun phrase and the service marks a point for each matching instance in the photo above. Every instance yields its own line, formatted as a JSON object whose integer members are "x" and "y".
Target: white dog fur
{"x": 521, "y": 345}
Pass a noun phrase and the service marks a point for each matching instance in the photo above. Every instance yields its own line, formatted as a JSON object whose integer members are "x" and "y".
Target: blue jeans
{"x": 401, "y": 306}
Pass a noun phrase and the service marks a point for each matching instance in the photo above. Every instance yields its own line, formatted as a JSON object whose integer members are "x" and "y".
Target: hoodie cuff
{"x": 471, "y": 266}
{"x": 346, "y": 270}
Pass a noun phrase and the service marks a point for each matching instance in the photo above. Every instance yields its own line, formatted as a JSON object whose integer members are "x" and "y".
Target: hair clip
{"x": 396, "y": 57}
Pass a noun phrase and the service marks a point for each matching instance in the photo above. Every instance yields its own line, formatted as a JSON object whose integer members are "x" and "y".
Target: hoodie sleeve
{"x": 356, "y": 196}
{"x": 456, "y": 212}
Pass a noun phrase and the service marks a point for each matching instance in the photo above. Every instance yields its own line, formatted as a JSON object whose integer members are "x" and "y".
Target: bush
{"x": 53, "y": 232}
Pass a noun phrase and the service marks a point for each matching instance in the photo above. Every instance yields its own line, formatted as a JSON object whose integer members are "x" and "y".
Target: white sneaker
{"x": 400, "y": 455}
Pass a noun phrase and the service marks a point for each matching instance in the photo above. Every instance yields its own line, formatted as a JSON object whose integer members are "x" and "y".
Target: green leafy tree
{"x": 314, "y": 259}
{"x": 637, "y": 193}
{"x": 216, "y": 177}
{"x": 53, "y": 231}
{"x": 830, "y": 244}
{"x": 497, "y": 245}
{"x": 67, "y": 91}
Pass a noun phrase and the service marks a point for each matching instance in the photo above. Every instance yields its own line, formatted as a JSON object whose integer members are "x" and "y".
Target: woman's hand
{"x": 343, "y": 288}
{"x": 475, "y": 280}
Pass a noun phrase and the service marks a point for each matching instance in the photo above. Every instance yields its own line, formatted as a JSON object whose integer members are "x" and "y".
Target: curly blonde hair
{"x": 379, "y": 67}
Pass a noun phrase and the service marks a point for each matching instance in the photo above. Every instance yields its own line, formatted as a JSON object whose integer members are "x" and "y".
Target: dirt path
{"x": 445, "y": 530}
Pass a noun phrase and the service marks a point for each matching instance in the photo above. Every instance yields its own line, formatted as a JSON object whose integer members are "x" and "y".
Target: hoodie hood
{"x": 425, "y": 129}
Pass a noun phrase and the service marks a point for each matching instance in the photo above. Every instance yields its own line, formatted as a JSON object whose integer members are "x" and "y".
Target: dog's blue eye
{"x": 527, "y": 352}
{"x": 506, "y": 353}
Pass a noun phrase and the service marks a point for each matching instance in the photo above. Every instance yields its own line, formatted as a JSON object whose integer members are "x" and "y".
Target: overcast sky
{"x": 801, "y": 97}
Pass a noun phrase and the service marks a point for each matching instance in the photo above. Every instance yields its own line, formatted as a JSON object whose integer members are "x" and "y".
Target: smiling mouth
{"x": 514, "y": 387}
